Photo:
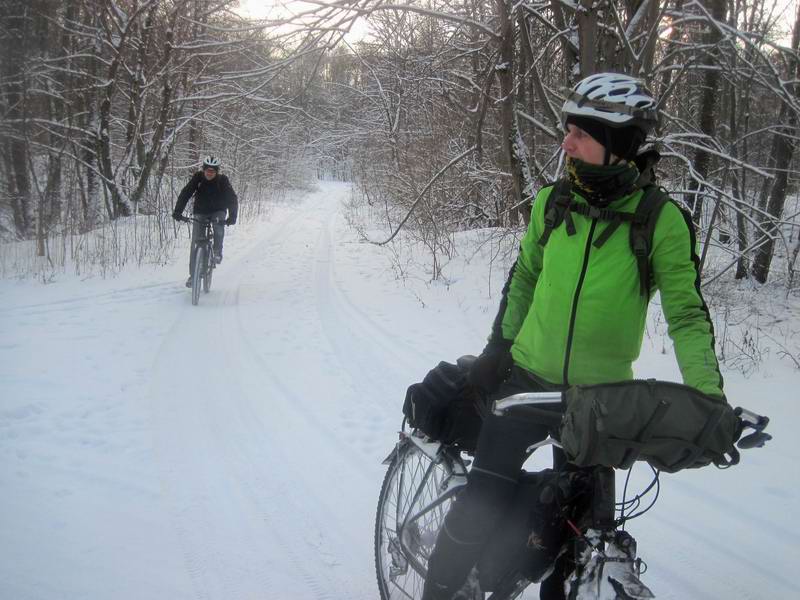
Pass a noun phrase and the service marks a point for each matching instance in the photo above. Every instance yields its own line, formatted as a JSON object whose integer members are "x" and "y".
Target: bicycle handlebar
{"x": 195, "y": 220}
{"x": 546, "y": 407}
{"x": 527, "y": 399}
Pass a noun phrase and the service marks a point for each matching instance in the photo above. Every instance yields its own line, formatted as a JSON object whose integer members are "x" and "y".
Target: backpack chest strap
{"x": 612, "y": 217}
{"x": 560, "y": 206}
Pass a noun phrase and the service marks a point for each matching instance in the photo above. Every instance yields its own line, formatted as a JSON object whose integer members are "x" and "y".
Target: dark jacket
{"x": 209, "y": 196}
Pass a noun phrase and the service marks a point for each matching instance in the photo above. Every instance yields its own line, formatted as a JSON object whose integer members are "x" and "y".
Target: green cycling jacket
{"x": 575, "y": 312}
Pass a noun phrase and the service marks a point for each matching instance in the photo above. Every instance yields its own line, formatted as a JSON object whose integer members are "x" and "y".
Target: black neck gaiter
{"x": 599, "y": 184}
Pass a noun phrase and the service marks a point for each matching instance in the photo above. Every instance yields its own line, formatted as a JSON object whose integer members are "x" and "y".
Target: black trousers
{"x": 491, "y": 484}
{"x": 198, "y": 229}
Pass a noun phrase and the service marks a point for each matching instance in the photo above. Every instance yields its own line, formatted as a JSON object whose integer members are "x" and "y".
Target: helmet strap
{"x": 606, "y": 146}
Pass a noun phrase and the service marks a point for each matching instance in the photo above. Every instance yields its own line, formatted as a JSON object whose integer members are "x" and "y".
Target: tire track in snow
{"x": 233, "y": 542}
{"x": 379, "y": 363}
{"x": 273, "y": 419}
{"x": 207, "y": 430}
{"x": 135, "y": 295}
{"x": 364, "y": 347}
{"x": 297, "y": 412}
{"x": 342, "y": 309}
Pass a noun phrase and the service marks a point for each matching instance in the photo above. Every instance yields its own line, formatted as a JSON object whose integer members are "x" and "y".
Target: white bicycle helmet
{"x": 211, "y": 162}
{"x": 615, "y": 99}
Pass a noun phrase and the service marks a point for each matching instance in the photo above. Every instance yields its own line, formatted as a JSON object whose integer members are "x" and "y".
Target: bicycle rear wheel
{"x": 416, "y": 494}
{"x": 197, "y": 273}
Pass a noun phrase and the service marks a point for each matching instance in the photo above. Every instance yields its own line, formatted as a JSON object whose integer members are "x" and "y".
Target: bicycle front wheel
{"x": 416, "y": 494}
{"x": 197, "y": 273}
{"x": 209, "y": 273}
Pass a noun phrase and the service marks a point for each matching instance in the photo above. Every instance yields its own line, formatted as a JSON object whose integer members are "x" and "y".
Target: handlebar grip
{"x": 751, "y": 419}
{"x": 544, "y": 408}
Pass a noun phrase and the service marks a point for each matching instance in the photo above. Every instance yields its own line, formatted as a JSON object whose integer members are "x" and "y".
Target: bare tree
{"x": 784, "y": 142}
{"x": 446, "y": 115}
{"x": 714, "y": 11}
{"x": 16, "y": 38}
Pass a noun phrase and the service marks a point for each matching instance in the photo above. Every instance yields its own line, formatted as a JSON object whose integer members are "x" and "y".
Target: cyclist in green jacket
{"x": 573, "y": 310}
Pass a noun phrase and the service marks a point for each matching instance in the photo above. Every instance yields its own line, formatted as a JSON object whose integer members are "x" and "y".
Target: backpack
{"x": 560, "y": 205}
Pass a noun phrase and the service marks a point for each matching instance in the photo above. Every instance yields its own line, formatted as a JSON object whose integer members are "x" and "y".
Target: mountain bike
{"x": 204, "y": 258}
{"x": 566, "y": 515}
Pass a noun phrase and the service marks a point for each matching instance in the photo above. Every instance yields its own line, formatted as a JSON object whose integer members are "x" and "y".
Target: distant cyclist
{"x": 214, "y": 199}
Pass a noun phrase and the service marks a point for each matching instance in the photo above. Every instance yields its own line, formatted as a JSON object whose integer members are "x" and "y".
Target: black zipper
{"x": 575, "y": 300}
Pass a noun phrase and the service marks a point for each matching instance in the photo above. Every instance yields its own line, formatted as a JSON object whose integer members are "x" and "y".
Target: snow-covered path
{"x": 256, "y": 477}
{"x": 261, "y": 417}
{"x": 150, "y": 449}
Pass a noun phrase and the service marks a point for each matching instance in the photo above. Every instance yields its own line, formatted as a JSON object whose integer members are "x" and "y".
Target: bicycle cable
{"x": 634, "y": 503}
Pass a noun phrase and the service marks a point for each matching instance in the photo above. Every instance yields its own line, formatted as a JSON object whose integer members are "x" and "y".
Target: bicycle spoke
{"x": 411, "y": 513}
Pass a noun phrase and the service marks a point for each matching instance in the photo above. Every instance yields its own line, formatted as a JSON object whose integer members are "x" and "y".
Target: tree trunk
{"x": 708, "y": 110}
{"x": 571, "y": 57}
{"x": 782, "y": 152}
{"x": 17, "y": 18}
{"x": 672, "y": 43}
{"x": 647, "y": 57}
{"x": 148, "y": 159}
{"x": 92, "y": 208}
{"x": 505, "y": 76}
{"x": 587, "y": 34}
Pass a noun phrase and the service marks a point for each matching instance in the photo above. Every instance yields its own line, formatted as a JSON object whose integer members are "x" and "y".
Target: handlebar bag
{"x": 669, "y": 425}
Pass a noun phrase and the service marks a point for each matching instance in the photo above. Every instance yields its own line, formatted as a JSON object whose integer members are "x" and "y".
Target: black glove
{"x": 492, "y": 367}
{"x": 426, "y": 402}
{"x": 177, "y": 216}
{"x": 230, "y": 221}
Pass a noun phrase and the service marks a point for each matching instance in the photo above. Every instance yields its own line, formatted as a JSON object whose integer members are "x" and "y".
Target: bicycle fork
{"x": 606, "y": 565}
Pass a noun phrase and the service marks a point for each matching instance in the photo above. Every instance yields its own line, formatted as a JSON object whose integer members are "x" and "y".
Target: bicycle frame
{"x": 207, "y": 239}
{"x": 202, "y": 246}
{"x": 601, "y": 553}
{"x": 424, "y": 476}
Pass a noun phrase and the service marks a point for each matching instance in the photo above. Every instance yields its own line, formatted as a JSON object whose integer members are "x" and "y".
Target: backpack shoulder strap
{"x": 557, "y": 210}
{"x": 642, "y": 227}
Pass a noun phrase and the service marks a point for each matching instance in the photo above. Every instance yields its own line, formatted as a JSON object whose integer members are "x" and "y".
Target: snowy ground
{"x": 150, "y": 449}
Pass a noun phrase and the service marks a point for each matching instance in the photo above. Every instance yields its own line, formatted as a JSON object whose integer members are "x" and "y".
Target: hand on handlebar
{"x": 178, "y": 216}
{"x": 492, "y": 367}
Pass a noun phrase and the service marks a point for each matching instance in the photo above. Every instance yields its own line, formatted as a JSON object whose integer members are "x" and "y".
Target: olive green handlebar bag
{"x": 669, "y": 425}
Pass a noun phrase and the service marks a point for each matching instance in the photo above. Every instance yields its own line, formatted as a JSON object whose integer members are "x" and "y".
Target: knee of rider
{"x": 490, "y": 487}
{"x": 475, "y": 515}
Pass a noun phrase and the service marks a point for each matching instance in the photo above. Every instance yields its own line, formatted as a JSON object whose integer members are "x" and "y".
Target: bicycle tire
{"x": 208, "y": 273}
{"x": 197, "y": 274}
{"x": 412, "y": 481}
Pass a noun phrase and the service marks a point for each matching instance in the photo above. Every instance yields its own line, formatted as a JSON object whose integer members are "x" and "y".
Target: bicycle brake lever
{"x": 757, "y": 439}
{"x": 751, "y": 420}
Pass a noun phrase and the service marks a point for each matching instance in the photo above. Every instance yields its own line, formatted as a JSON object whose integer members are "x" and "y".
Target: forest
{"x": 444, "y": 114}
